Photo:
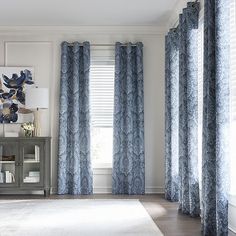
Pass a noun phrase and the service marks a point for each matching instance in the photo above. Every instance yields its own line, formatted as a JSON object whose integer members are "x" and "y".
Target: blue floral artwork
{"x": 13, "y": 83}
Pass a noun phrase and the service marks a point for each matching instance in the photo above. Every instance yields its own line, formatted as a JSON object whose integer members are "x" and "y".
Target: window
{"x": 233, "y": 96}
{"x": 102, "y": 101}
{"x": 200, "y": 95}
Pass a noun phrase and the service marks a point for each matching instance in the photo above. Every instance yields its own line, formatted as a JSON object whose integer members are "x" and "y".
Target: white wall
{"x": 40, "y": 47}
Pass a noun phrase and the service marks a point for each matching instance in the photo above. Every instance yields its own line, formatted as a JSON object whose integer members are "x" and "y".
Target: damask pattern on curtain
{"x": 74, "y": 165}
{"x": 216, "y": 117}
{"x": 172, "y": 116}
{"x": 189, "y": 198}
{"x": 128, "y": 150}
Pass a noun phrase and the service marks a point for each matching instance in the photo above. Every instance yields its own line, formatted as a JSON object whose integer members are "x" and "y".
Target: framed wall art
{"x": 13, "y": 83}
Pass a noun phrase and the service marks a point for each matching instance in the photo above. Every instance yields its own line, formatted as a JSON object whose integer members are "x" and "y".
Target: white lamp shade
{"x": 36, "y": 98}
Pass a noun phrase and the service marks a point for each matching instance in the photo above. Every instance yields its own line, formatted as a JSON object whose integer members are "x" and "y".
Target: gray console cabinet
{"x": 25, "y": 164}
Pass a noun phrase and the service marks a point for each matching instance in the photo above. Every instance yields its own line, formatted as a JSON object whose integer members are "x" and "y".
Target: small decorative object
{"x": 8, "y": 158}
{"x": 13, "y": 82}
{"x": 28, "y": 129}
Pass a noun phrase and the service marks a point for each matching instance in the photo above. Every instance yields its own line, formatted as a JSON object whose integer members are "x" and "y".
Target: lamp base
{"x": 37, "y": 128}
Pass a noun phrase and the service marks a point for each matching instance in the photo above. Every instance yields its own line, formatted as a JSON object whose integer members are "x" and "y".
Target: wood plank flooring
{"x": 164, "y": 213}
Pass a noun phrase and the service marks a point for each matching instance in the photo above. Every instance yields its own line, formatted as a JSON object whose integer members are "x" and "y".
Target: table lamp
{"x": 36, "y": 99}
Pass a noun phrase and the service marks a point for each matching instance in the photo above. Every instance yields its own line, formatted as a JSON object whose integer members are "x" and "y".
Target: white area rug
{"x": 75, "y": 217}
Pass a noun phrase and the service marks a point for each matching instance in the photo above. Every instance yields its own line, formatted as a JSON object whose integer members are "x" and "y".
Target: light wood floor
{"x": 164, "y": 213}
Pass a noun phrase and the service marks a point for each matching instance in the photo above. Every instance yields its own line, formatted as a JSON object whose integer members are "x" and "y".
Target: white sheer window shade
{"x": 200, "y": 95}
{"x": 233, "y": 96}
{"x": 102, "y": 73}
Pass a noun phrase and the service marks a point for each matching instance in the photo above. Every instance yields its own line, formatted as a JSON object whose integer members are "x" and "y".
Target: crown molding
{"x": 78, "y": 30}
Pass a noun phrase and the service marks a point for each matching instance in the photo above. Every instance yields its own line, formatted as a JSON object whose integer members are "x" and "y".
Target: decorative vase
{"x": 28, "y": 133}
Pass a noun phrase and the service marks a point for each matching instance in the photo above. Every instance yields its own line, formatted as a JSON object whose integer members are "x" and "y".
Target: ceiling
{"x": 85, "y": 12}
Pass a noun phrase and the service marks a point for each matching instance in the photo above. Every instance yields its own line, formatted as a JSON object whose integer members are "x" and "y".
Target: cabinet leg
{"x": 46, "y": 192}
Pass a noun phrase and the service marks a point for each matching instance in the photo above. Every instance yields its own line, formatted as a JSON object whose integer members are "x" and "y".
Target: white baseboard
{"x": 108, "y": 190}
{"x": 232, "y": 213}
{"x": 53, "y": 190}
{"x": 154, "y": 190}
{"x": 96, "y": 190}
{"x": 102, "y": 190}
{"x": 232, "y": 229}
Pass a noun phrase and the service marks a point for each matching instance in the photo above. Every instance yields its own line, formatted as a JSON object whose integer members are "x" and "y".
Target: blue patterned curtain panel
{"x": 216, "y": 117}
{"x": 128, "y": 150}
{"x": 189, "y": 198}
{"x": 172, "y": 116}
{"x": 74, "y": 165}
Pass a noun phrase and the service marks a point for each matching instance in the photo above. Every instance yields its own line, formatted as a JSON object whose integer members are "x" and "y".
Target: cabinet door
{"x": 9, "y": 164}
{"x": 32, "y": 163}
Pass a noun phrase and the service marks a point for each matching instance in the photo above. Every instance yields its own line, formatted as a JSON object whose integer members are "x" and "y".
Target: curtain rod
{"x": 103, "y": 45}
{"x": 175, "y": 24}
